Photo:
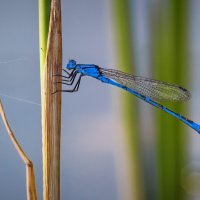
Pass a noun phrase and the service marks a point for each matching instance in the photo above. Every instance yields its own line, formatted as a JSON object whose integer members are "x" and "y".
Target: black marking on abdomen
{"x": 124, "y": 87}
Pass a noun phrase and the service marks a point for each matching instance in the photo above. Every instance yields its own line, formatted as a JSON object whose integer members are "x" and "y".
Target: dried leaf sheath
{"x": 51, "y": 106}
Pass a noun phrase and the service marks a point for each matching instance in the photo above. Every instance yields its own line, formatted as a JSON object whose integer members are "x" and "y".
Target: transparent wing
{"x": 156, "y": 90}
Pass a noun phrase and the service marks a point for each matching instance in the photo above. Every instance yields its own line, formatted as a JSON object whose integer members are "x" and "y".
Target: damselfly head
{"x": 71, "y": 64}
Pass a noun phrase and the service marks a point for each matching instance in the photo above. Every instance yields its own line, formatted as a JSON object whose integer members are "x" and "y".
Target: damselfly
{"x": 144, "y": 88}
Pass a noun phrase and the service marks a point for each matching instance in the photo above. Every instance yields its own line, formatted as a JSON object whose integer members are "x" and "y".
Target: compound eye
{"x": 71, "y": 64}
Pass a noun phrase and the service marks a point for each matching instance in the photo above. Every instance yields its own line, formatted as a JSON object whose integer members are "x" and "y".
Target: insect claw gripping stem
{"x": 60, "y": 75}
{"x": 69, "y": 81}
{"x": 63, "y": 83}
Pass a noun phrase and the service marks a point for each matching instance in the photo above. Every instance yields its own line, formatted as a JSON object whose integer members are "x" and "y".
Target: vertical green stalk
{"x": 125, "y": 62}
{"x": 170, "y": 60}
{"x": 44, "y": 17}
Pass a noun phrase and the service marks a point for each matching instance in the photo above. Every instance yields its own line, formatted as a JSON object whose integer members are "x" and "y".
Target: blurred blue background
{"x": 93, "y": 161}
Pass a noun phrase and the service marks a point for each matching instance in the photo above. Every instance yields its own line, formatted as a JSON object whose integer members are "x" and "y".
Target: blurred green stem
{"x": 125, "y": 61}
{"x": 170, "y": 59}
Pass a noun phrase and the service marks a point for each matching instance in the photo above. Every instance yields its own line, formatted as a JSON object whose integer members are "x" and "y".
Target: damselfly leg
{"x": 70, "y": 74}
{"x": 69, "y": 81}
{"x": 75, "y": 88}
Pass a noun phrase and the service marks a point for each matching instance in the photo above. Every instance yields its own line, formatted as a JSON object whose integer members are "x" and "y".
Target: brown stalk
{"x": 51, "y": 106}
{"x": 30, "y": 177}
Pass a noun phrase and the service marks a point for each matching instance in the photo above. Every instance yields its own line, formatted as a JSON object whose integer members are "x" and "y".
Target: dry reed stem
{"x": 51, "y": 106}
{"x": 30, "y": 177}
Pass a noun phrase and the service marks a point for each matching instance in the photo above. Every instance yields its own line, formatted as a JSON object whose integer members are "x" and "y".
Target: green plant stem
{"x": 44, "y": 17}
{"x": 170, "y": 59}
{"x": 125, "y": 61}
